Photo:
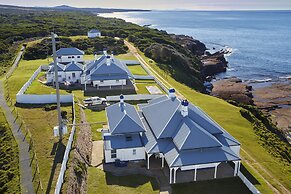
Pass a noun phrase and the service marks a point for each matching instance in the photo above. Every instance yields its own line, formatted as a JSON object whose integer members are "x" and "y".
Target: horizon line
{"x": 147, "y": 9}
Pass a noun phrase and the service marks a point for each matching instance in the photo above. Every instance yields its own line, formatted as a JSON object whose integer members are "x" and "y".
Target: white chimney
{"x": 112, "y": 54}
{"x": 121, "y": 98}
{"x": 172, "y": 93}
{"x": 95, "y": 57}
{"x": 108, "y": 62}
{"x": 184, "y": 108}
{"x": 105, "y": 52}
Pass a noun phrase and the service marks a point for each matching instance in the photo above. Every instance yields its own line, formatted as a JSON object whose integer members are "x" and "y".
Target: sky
{"x": 162, "y": 4}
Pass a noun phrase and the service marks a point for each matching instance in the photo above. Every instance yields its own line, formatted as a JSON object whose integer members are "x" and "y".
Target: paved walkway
{"x": 24, "y": 156}
{"x": 97, "y": 153}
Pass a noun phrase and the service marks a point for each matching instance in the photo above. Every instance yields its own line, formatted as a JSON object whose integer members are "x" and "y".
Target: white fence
{"x": 134, "y": 97}
{"x": 66, "y": 155}
{"x": 251, "y": 187}
{"x": 23, "y": 98}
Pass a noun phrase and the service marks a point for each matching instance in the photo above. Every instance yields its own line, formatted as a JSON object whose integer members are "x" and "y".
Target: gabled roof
{"x": 123, "y": 119}
{"x": 162, "y": 117}
{"x": 74, "y": 66}
{"x": 69, "y": 51}
{"x": 191, "y": 136}
{"x": 94, "y": 31}
{"x": 99, "y": 69}
{"x": 60, "y": 67}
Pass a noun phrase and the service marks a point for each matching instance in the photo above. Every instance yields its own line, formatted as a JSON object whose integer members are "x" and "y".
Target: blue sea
{"x": 260, "y": 40}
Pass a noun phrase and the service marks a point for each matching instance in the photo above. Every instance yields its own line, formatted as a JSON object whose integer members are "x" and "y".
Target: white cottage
{"x": 72, "y": 72}
{"x": 107, "y": 71}
{"x": 94, "y": 33}
{"x": 123, "y": 139}
{"x": 66, "y": 55}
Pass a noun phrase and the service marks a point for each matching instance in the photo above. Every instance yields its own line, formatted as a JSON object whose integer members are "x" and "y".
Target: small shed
{"x": 94, "y": 33}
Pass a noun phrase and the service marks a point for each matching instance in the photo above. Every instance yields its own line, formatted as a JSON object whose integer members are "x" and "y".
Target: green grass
{"x": 127, "y": 56}
{"x": 40, "y": 123}
{"x": 219, "y": 186}
{"x": 103, "y": 183}
{"x": 95, "y": 116}
{"x": 229, "y": 117}
{"x": 9, "y": 163}
{"x": 137, "y": 70}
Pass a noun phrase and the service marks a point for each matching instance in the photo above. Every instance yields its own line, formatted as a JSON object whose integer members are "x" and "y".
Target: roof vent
{"x": 108, "y": 61}
{"x": 172, "y": 93}
{"x": 184, "y": 108}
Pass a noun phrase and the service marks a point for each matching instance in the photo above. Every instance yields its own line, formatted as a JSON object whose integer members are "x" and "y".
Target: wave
{"x": 259, "y": 80}
{"x": 288, "y": 77}
{"x": 230, "y": 69}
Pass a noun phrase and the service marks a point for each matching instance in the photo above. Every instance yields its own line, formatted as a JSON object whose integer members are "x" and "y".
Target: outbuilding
{"x": 94, "y": 33}
{"x": 67, "y": 55}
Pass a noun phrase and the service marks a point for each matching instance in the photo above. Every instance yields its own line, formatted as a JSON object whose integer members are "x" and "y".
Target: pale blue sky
{"x": 161, "y": 4}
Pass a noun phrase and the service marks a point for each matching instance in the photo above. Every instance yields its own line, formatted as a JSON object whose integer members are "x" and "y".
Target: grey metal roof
{"x": 123, "y": 119}
{"x": 99, "y": 69}
{"x": 191, "y": 136}
{"x": 226, "y": 139}
{"x": 202, "y": 119}
{"x": 74, "y": 66}
{"x": 60, "y": 67}
{"x": 176, "y": 158}
{"x": 159, "y": 115}
{"x": 120, "y": 142}
{"x": 69, "y": 51}
{"x": 94, "y": 31}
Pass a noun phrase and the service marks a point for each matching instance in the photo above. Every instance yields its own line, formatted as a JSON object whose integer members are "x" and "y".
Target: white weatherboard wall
{"x": 125, "y": 154}
{"x": 23, "y": 98}
{"x": 69, "y": 58}
{"x": 110, "y": 83}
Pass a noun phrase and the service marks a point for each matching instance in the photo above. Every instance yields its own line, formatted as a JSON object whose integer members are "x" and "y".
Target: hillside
{"x": 19, "y": 25}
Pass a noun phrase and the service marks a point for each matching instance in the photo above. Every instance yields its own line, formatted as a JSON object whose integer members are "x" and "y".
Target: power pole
{"x": 57, "y": 87}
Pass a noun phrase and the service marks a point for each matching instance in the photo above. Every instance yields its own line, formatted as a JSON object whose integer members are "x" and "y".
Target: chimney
{"x": 112, "y": 54}
{"x": 108, "y": 62}
{"x": 105, "y": 52}
{"x": 95, "y": 57}
{"x": 121, "y": 98}
{"x": 172, "y": 93}
{"x": 184, "y": 108}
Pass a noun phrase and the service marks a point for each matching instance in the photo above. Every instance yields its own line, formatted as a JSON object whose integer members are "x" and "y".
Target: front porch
{"x": 195, "y": 172}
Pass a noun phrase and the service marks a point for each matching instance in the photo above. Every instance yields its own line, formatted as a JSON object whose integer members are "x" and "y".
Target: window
{"x": 101, "y": 81}
{"x": 113, "y": 153}
{"x": 59, "y": 57}
{"x": 59, "y": 75}
{"x": 128, "y": 138}
{"x": 78, "y": 57}
{"x": 117, "y": 80}
{"x": 73, "y": 75}
{"x": 134, "y": 152}
{"x": 73, "y": 57}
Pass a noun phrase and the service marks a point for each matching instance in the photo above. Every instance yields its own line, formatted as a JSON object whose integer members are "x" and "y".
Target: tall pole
{"x": 57, "y": 87}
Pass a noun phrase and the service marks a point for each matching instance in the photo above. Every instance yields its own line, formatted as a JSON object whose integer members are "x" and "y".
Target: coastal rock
{"x": 213, "y": 64}
{"x": 232, "y": 89}
{"x": 195, "y": 46}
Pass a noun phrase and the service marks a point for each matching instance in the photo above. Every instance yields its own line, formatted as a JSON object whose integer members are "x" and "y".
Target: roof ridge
{"x": 135, "y": 121}
{"x": 169, "y": 119}
{"x": 186, "y": 136}
{"x": 118, "y": 123}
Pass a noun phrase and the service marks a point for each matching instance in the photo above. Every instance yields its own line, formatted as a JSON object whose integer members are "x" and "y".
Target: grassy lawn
{"x": 95, "y": 116}
{"x": 229, "y": 117}
{"x": 9, "y": 163}
{"x": 104, "y": 183}
{"x": 40, "y": 123}
{"x": 219, "y": 186}
{"x": 127, "y": 56}
{"x": 137, "y": 70}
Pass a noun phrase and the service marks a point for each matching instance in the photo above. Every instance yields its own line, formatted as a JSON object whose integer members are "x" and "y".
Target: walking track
{"x": 23, "y": 146}
{"x": 134, "y": 51}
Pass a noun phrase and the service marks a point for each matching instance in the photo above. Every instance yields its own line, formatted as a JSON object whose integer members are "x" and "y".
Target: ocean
{"x": 260, "y": 40}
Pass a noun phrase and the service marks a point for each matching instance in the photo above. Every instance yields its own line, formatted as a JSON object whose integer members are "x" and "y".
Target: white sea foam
{"x": 260, "y": 80}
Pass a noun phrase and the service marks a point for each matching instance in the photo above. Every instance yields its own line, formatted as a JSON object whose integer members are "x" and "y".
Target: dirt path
{"x": 134, "y": 51}
{"x": 23, "y": 146}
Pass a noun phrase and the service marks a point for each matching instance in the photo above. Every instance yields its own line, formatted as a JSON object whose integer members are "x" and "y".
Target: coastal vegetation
{"x": 22, "y": 25}
{"x": 9, "y": 163}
